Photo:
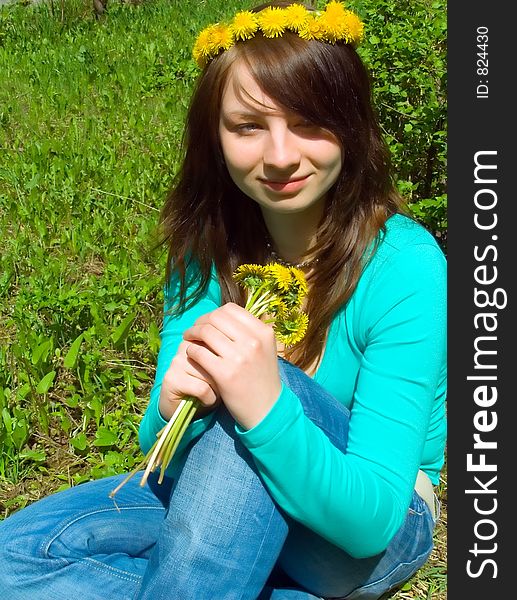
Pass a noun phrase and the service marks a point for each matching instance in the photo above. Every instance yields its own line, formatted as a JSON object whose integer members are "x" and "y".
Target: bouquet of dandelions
{"x": 275, "y": 293}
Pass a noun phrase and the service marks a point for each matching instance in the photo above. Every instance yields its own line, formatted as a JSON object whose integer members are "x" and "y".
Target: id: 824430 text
{"x": 482, "y": 62}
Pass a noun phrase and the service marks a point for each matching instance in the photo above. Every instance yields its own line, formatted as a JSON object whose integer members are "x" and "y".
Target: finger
{"x": 205, "y": 358}
{"x": 202, "y": 390}
{"x": 185, "y": 377}
{"x": 243, "y": 318}
{"x": 195, "y": 369}
{"x": 251, "y": 328}
{"x": 175, "y": 387}
{"x": 213, "y": 338}
{"x": 233, "y": 320}
{"x": 223, "y": 320}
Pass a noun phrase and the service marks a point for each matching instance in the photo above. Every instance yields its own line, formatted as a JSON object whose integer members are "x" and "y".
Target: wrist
{"x": 256, "y": 409}
{"x": 166, "y": 407}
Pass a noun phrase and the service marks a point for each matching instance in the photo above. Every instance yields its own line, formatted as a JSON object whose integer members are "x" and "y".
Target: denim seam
{"x": 121, "y": 574}
{"x": 418, "y": 513}
{"x": 45, "y": 546}
{"x": 259, "y": 549}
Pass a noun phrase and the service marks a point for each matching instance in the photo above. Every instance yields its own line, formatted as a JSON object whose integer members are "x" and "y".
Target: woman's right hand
{"x": 184, "y": 377}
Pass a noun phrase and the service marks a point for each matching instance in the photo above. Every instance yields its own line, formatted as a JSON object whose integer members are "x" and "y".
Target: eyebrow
{"x": 245, "y": 114}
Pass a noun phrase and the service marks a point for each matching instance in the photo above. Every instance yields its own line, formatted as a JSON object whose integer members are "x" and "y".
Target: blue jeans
{"x": 213, "y": 533}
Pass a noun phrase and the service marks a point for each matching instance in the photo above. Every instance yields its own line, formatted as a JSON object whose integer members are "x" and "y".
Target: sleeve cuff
{"x": 283, "y": 414}
{"x": 157, "y": 421}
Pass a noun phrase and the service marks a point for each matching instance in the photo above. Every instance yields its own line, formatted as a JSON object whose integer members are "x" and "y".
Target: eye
{"x": 247, "y": 127}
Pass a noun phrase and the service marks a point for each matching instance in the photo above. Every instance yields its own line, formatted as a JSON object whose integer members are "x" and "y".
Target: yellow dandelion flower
{"x": 220, "y": 38}
{"x": 355, "y": 27}
{"x": 272, "y": 21}
{"x": 312, "y": 30}
{"x": 299, "y": 283}
{"x": 280, "y": 275}
{"x": 250, "y": 276}
{"x": 335, "y": 10}
{"x": 291, "y": 328}
{"x": 250, "y": 269}
{"x": 244, "y": 25}
{"x": 341, "y": 24}
{"x": 334, "y": 22}
{"x": 296, "y": 16}
{"x": 211, "y": 41}
{"x": 276, "y": 306}
{"x": 201, "y": 50}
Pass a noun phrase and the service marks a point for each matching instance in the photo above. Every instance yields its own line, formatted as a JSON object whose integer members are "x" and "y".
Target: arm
{"x": 358, "y": 500}
{"x": 171, "y": 336}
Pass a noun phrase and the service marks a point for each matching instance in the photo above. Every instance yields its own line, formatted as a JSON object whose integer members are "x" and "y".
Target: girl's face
{"x": 276, "y": 157}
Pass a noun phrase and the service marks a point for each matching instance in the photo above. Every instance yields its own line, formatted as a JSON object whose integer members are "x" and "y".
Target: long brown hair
{"x": 208, "y": 220}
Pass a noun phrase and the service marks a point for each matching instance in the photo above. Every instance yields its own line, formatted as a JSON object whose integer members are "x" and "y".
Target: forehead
{"x": 243, "y": 92}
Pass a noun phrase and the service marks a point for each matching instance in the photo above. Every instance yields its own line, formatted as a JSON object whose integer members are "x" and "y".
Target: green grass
{"x": 91, "y": 120}
{"x": 91, "y": 117}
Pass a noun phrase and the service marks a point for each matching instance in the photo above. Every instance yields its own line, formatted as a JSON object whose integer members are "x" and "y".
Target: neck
{"x": 292, "y": 234}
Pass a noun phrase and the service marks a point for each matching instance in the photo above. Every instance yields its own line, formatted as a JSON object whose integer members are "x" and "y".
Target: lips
{"x": 289, "y": 185}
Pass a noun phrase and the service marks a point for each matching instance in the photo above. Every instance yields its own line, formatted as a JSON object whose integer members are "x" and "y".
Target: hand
{"x": 183, "y": 378}
{"x": 238, "y": 353}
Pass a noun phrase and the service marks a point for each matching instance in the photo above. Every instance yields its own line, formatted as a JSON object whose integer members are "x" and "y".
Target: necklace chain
{"x": 302, "y": 265}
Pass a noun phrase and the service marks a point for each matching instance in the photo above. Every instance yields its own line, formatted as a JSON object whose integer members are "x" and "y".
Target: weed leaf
{"x": 121, "y": 332}
{"x": 70, "y": 361}
{"x": 40, "y": 353}
{"x": 105, "y": 437}
{"x": 79, "y": 442}
{"x": 46, "y": 383}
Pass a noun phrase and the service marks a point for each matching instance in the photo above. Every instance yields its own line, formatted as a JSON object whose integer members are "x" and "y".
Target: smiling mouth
{"x": 289, "y": 185}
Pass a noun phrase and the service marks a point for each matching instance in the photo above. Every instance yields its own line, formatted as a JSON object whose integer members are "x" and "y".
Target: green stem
{"x": 254, "y": 296}
{"x": 132, "y": 473}
{"x": 171, "y": 449}
{"x": 262, "y": 304}
{"x": 167, "y": 441}
{"x": 161, "y": 440}
{"x": 173, "y": 434}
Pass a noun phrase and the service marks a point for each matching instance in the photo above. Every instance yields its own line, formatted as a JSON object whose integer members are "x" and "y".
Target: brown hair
{"x": 206, "y": 218}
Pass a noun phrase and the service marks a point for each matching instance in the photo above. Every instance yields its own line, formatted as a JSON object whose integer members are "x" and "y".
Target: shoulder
{"x": 193, "y": 278}
{"x": 405, "y": 246}
{"x": 406, "y": 273}
{"x": 402, "y": 234}
{"x": 404, "y": 284}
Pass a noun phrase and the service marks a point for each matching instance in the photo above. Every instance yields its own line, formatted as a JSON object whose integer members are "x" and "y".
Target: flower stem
{"x": 187, "y": 415}
{"x": 157, "y": 454}
{"x": 132, "y": 473}
{"x": 167, "y": 441}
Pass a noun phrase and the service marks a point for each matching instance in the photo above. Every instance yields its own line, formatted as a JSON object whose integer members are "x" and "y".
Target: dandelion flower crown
{"x": 334, "y": 24}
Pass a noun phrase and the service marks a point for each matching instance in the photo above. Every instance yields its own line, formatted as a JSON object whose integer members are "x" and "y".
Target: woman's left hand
{"x": 238, "y": 351}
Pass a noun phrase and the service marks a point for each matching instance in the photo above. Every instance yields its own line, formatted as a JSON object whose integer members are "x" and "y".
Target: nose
{"x": 281, "y": 151}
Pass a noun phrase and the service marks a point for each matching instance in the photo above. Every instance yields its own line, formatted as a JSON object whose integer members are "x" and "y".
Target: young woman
{"x": 309, "y": 471}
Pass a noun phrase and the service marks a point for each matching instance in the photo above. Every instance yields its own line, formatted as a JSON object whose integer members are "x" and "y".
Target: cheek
{"x": 330, "y": 158}
{"x": 240, "y": 158}
{"x": 236, "y": 163}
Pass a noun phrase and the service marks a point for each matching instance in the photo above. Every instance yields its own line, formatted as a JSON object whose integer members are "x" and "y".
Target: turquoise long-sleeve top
{"x": 385, "y": 359}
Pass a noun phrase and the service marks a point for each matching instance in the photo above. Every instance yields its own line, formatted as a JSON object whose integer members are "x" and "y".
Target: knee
{"x": 220, "y": 441}
{"x": 318, "y": 404}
